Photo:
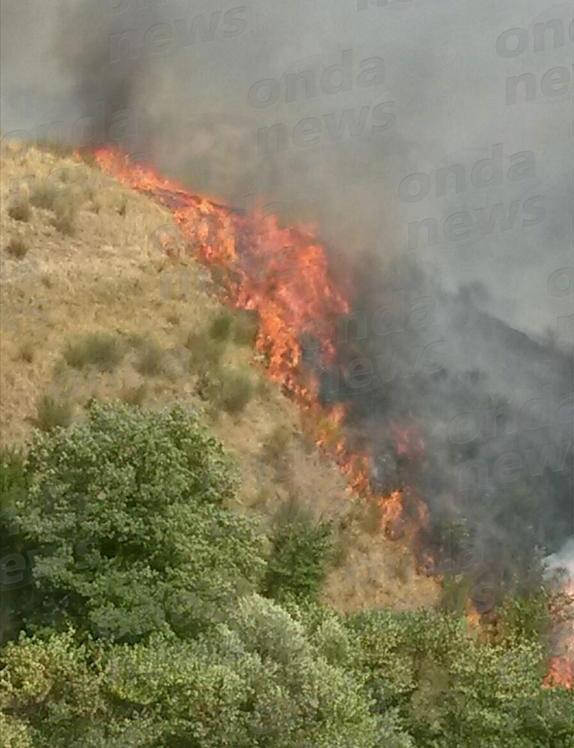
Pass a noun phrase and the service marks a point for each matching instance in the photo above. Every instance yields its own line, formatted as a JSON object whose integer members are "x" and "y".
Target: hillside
{"x": 95, "y": 309}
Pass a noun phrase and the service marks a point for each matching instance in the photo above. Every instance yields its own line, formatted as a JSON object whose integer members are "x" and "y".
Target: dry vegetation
{"x": 93, "y": 308}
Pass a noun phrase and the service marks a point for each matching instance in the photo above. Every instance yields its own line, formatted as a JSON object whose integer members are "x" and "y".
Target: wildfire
{"x": 283, "y": 275}
{"x": 560, "y": 674}
{"x": 561, "y": 667}
{"x": 408, "y": 440}
{"x": 473, "y": 617}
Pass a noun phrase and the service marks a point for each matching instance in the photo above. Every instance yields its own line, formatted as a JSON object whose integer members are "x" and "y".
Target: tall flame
{"x": 283, "y": 275}
{"x": 561, "y": 666}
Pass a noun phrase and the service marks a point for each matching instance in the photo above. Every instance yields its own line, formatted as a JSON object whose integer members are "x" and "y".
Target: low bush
{"x": 65, "y": 208}
{"x": 276, "y": 445}
{"x": 17, "y": 247}
{"x": 234, "y": 391}
{"x": 245, "y": 328}
{"x": 150, "y": 361}
{"x": 205, "y": 351}
{"x": 221, "y": 326}
{"x": 26, "y": 352}
{"x": 301, "y": 550}
{"x": 134, "y": 396}
{"x": 20, "y": 210}
{"x": 44, "y": 195}
{"x": 96, "y": 349}
{"x": 56, "y": 148}
{"x": 52, "y": 413}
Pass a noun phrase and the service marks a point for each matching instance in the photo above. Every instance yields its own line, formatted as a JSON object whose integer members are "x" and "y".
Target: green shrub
{"x": 221, "y": 325}
{"x": 65, "y": 209}
{"x": 150, "y": 361}
{"x": 12, "y": 475}
{"x": 257, "y": 681}
{"x": 95, "y": 349}
{"x": 245, "y": 327}
{"x": 234, "y": 391}
{"x": 44, "y": 195}
{"x": 138, "y": 622}
{"x": 301, "y": 550}
{"x": 127, "y": 511}
{"x": 205, "y": 352}
{"x": 52, "y": 413}
{"x": 455, "y": 593}
{"x": 276, "y": 445}
{"x": 26, "y": 352}
{"x": 20, "y": 210}
{"x": 525, "y": 617}
{"x": 17, "y": 247}
{"x": 134, "y": 396}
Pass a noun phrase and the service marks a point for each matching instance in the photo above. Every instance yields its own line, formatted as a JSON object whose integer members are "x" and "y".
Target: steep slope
{"x": 94, "y": 307}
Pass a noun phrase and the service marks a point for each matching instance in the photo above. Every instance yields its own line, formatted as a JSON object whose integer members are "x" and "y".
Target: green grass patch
{"x": 101, "y": 350}
{"x": 52, "y": 413}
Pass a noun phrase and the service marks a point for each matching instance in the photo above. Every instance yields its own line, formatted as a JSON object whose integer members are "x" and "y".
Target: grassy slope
{"x": 109, "y": 275}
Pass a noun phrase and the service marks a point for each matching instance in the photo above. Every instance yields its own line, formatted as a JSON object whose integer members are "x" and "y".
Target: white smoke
{"x": 563, "y": 561}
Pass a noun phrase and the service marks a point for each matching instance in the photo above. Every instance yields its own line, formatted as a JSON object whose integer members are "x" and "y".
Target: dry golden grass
{"x": 106, "y": 278}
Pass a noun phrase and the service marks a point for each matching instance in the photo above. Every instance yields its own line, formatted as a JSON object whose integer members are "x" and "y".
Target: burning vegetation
{"x": 283, "y": 275}
{"x": 225, "y": 596}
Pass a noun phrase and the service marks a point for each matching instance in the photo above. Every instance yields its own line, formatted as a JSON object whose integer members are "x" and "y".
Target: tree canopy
{"x": 143, "y": 609}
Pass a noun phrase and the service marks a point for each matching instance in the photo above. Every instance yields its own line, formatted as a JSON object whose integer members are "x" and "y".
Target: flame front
{"x": 561, "y": 667}
{"x": 283, "y": 275}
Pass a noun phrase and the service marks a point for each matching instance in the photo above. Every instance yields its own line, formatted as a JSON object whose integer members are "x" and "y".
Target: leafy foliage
{"x": 301, "y": 548}
{"x": 52, "y": 413}
{"x": 451, "y": 689}
{"x": 142, "y": 622}
{"x": 126, "y": 517}
{"x": 97, "y": 349}
{"x": 220, "y": 328}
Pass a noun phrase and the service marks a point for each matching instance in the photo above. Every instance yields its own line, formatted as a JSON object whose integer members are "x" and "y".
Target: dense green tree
{"x": 141, "y": 620}
{"x": 301, "y": 547}
{"x": 452, "y": 689}
{"x": 126, "y": 518}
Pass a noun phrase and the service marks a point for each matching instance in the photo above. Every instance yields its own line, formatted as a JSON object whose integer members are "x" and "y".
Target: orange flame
{"x": 283, "y": 275}
{"x": 560, "y": 673}
{"x": 408, "y": 440}
{"x": 561, "y": 667}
